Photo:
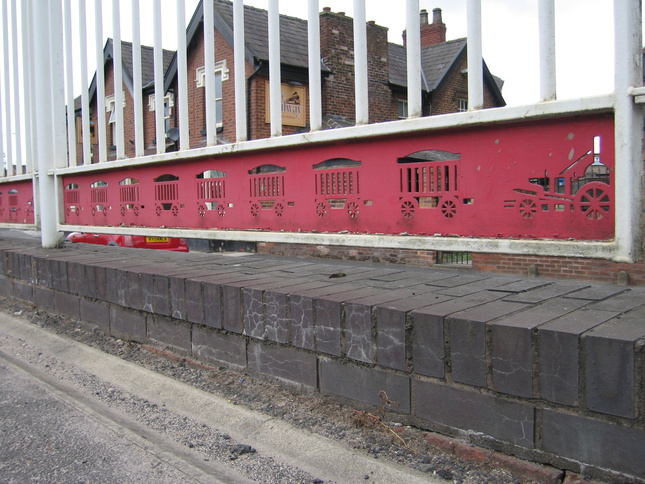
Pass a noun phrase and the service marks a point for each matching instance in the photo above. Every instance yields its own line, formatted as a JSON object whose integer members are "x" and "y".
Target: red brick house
{"x": 147, "y": 83}
{"x": 444, "y": 78}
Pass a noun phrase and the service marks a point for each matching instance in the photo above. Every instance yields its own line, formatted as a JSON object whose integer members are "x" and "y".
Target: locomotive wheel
{"x": 528, "y": 209}
{"x": 594, "y": 200}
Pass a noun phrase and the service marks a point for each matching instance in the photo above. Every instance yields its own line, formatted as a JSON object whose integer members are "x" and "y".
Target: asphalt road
{"x": 49, "y": 432}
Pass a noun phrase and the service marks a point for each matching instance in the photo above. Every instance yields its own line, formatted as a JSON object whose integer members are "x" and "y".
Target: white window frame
{"x": 200, "y": 73}
{"x": 462, "y": 105}
{"x": 200, "y": 81}
{"x": 110, "y": 105}
{"x": 399, "y": 103}
{"x": 168, "y": 99}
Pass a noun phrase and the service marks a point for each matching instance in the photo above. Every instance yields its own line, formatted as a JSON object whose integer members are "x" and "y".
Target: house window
{"x": 462, "y": 105}
{"x": 221, "y": 75}
{"x": 168, "y": 104}
{"x": 110, "y": 107}
{"x": 402, "y": 107}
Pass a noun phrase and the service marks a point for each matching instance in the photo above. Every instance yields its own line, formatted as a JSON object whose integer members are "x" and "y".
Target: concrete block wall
{"x": 549, "y": 371}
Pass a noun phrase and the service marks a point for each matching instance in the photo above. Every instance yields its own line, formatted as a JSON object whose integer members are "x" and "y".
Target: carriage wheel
{"x": 279, "y": 209}
{"x": 174, "y": 209}
{"x": 255, "y": 209}
{"x": 321, "y": 209}
{"x": 201, "y": 210}
{"x": 352, "y": 209}
{"x": 158, "y": 210}
{"x": 449, "y": 208}
{"x": 221, "y": 209}
{"x": 408, "y": 208}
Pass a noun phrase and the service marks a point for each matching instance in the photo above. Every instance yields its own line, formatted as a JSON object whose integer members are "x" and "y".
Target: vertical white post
{"x": 3, "y": 171}
{"x": 117, "y": 69}
{"x": 182, "y": 76}
{"x": 209, "y": 67}
{"x": 139, "y": 140}
{"x": 69, "y": 84}
{"x": 3, "y": 167}
{"x": 30, "y": 93}
{"x": 57, "y": 83}
{"x": 7, "y": 92}
{"x": 50, "y": 237}
{"x": 159, "y": 81}
{"x": 16, "y": 90}
{"x": 241, "y": 130}
{"x": 413, "y": 46}
{"x": 546, "y": 16}
{"x": 275, "y": 81}
{"x": 85, "y": 97}
{"x": 628, "y": 122}
{"x": 360, "y": 63}
{"x": 100, "y": 127}
{"x": 475, "y": 63}
{"x": 315, "y": 86}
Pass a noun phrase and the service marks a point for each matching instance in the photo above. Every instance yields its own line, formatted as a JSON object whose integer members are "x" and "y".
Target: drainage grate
{"x": 458, "y": 258}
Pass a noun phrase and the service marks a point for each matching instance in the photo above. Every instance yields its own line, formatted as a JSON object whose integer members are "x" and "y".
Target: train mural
{"x": 548, "y": 180}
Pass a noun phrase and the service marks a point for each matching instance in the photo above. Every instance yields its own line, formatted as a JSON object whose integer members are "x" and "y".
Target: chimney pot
{"x": 341, "y": 13}
{"x": 424, "y": 17}
{"x": 436, "y": 16}
{"x": 326, "y": 9}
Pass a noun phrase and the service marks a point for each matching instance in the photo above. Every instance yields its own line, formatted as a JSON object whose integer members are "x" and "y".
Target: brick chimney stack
{"x": 433, "y": 33}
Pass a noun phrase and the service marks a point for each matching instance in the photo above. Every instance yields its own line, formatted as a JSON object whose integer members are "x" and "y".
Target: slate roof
{"x": 147, "y": 66}
{"x": 293, "y": 33}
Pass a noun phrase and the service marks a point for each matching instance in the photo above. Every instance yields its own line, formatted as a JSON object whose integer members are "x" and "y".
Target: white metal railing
{"x": 44, "y": 81}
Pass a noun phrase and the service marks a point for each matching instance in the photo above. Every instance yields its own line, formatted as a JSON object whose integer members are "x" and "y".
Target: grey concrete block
{"x": 253, "y": 312}
{"x": 194, "y": 301}
{"x": 43, "y": 297}
{"x": 623, "y": 301}
{"x": 593, "y": 442}
{"x": 428, "y": 345}
{"x": 172, "y": 334}
{"x": 468, "y": 340}
{"x": 364, "y": 384}
{"x": 545, "y": 293}
{"x": 67, "y": 304}
{"x": 302, "y": 321}
{"x": 390, "y": 338}
{"x": 133, "y": 290}
{"x": 212, "y": 304}
{"x": 610, "y": 368}
{"x": 216, "y": 347}
{"x": 286, "y": 363}
{"x": 95, "y": 312}
{"x": 22, "y": 290}
{"x": 328, "y": 326}
{"x": 147, "y": 290}
{"x": 231, "y": 312}
{"x": 358, "y": 332}
{"x": 161, "y": 295}
{"x": 471, "y": 410}
{"x": 99, "y": 283}
{"x": 177, "y": 297}
{"x": 512, "y": 348}
{"x": 277, "y": 321}
{"x": 559, "y": 354}
{"x": 128, "y": 324}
